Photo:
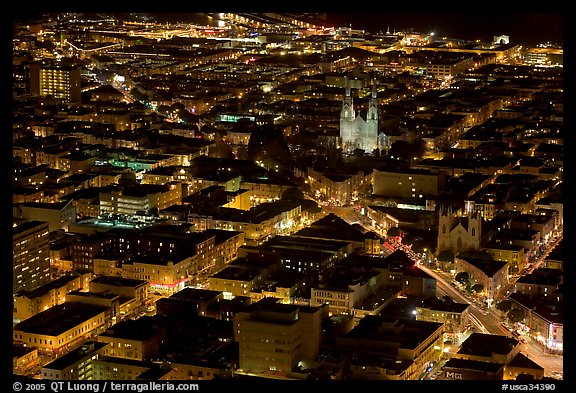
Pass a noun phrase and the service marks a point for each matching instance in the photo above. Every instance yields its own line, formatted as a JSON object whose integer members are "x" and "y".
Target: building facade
{"x": 31, "y": 255}
{"x": 57, "y": 80}
{"x": 357, "y": 132}
{"x": 456, "y": 233}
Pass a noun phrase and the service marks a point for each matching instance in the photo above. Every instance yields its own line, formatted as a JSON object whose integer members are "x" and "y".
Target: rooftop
{"x": 60, "y": 318}
{"x": 486, "y": 345}
{"x": 79, "y": 354}
{"x": 405, "y": 333}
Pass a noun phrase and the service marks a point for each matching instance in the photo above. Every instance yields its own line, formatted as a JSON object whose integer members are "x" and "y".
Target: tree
{"x": 138, "y": 95}
{"x": 393, "y": 232}
{"x": 419, "y": 245}
{"x": 184, "y": 114}
{"x": 463, "y": 277}
{"x": 292, "y": 193}
{"x": 405, "y": 151}
{"x": 163, "y": 109}
{"x": 504, "y": 305}
{"x": 445, "y": 256}
{"x": 516, "y": 315}
{"x": 408, "y": 239}
{"x": 400, "y": 149}
{"x": 478, "y": 288}
{"x": 267, "y": 144}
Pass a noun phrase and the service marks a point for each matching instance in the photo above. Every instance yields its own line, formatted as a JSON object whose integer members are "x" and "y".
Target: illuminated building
{"x": 454, "y": 316}
{"x": 489, "y": 356}
{"x": 467, "y": 369}
{"x": 416, "y": 344}
{"x": 74, "y": 365}
{"x": 138, "y": 339}
{"x": 332, "y": 227}
{"x": 188, "y": 302}
{"x": 59, "y": 80}
{"x": 337, "y": 188}
{"x": 140, "y": 198}
{"x": 135, "y": 289}
{"x": 261, "y": 222}
{"x": 107, "y": 368}
{"x": 302, "y": 254}
{"x": 544, "y": 319}
{"x": 344, "y": 291}
{"x": 85, "y": 248}
{"x": 278, "y": 337}
{"x": 491, "y": 275}
{"x": 86, "y": 202}
{"x": 386, "y": 217}
{"x": 32, "y": 175}
{"x": 546, "y": 56}
{"x": 236, "y": 280}
{"x": 61, "y": 326}
{"x": 166, "y": 258}
{"x": 75, "y": 162}
{"x": 411, "y": 183}
{"x": 24, "y": 358}
{"x": 513, "y": 255}
{"x": 31, "y": 255}
{"x": 458, "y": 233}
{"x": 164, "y": 275}
{"x": 58, "y": 215}
{"x": 118, "y": 306}
{"x": 29, "y": 303}
{"x": 356, "y": 132}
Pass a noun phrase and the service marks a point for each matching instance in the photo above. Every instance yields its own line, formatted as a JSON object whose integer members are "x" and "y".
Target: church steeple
{"x": 372, "y": 114}
{"x": 348, "y": 103}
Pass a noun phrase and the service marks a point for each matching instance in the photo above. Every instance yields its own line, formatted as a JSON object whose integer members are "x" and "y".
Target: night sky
{"x": 522, "y": 28}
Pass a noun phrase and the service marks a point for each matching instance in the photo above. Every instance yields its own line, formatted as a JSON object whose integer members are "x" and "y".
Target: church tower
{"x": 458, "y": 233}
{"x": 474, "y": 230}
{"x": 371, "y": 136}
{"x": 356, "y": 132}
{"x": 445, "y": 218}
{"x": 372, "y": 115}
{"x": 347, "y": 114}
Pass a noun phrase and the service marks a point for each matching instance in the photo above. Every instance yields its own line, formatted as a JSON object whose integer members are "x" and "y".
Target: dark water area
{"x": 522, "y": 28}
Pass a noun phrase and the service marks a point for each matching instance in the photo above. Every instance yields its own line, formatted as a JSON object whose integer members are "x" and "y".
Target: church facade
{"x": 458, "y": 233}
{"x": 357, "y": 132}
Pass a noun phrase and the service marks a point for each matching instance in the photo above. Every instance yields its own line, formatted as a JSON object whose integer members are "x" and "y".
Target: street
{"x": 486, "y": 320}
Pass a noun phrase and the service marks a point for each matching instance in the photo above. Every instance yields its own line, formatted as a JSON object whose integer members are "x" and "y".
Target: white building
{"x": 357, "y": 132}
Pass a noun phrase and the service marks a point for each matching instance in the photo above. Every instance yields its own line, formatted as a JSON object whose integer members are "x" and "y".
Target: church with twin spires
{"x": 459, "y": 233}
{"x": 357, "y": 132}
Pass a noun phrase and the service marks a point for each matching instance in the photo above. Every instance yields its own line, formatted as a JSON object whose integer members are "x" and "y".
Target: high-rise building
{"x": 56, "y": 79}
{"x": 31, "y": 255}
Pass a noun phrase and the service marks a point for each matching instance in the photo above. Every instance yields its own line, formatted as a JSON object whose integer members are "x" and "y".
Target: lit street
{"x": 287, "y": 196}
{"x": 486, "y": 320}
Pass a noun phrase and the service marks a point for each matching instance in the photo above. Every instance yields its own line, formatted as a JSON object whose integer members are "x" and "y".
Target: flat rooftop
{"x": 76, "y": 355}
{"x": 404, "y": 333}
{"x": 59, "y": 319}
{"x": 486, "y": 345}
